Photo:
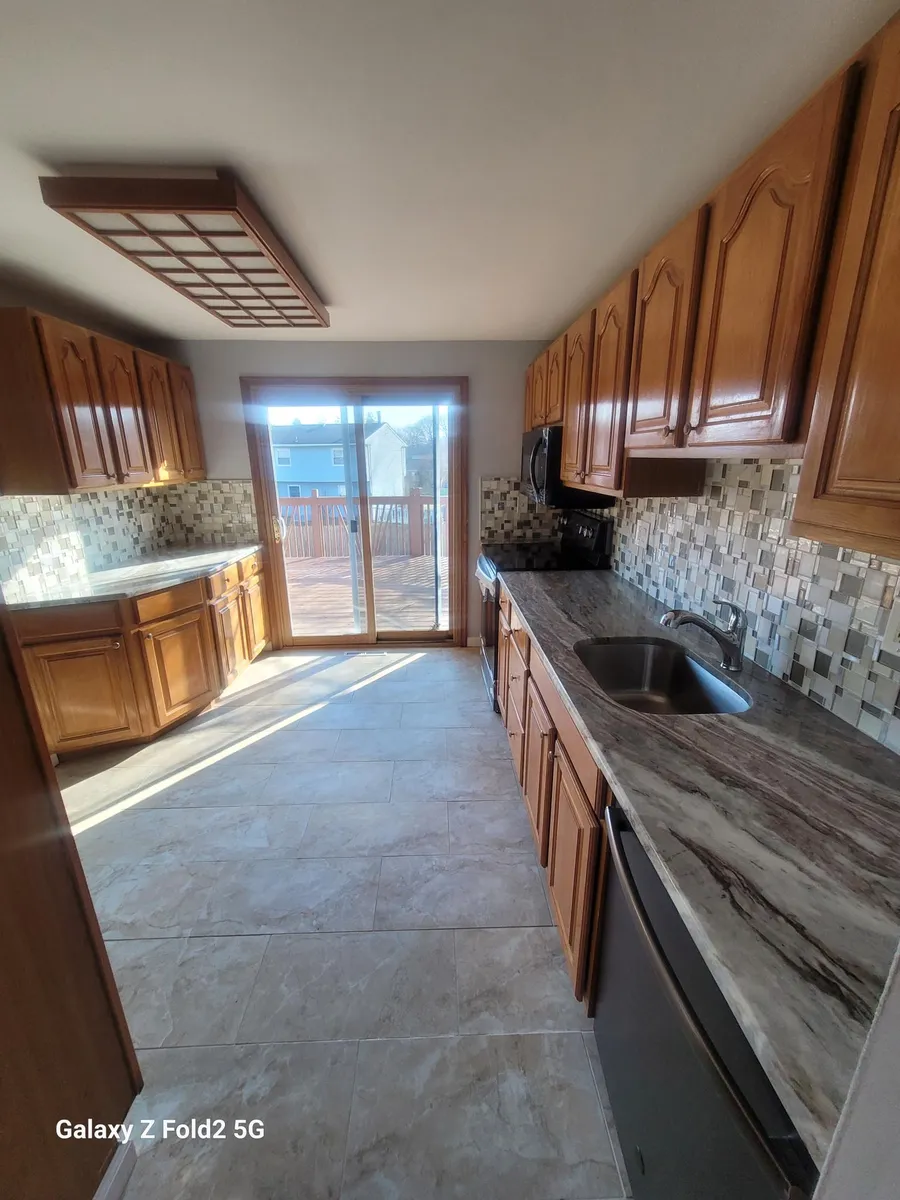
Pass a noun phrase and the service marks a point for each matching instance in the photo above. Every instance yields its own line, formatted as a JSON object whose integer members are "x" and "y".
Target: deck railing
{"x": 317, "y": 526}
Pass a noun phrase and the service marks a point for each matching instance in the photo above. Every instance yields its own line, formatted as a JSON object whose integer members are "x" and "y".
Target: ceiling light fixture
{"x": 205, "y": 237}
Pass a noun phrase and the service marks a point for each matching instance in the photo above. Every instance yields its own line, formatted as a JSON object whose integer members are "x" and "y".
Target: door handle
{"x": 276, "y": 529}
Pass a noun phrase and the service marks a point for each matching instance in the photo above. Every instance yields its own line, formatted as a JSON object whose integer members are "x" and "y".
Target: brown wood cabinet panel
{"x": 84, "y": 692}
{"x": 579, "y": 755}
{"x": 515, "y": 731}
{"x": 231, "y": 635}
{"x": 165, "y": 603}
{"x": 556, "y": 378}
{"x": 504, "y": 638}
{"x": 159, "y": 406}
{"x": 769, "y": 234}
{"x": 579, "y": 347}
{"x": 572, "y": 865}
{"x": 249, "y": 566}
{"x": 255, "y": 615}
{"x": 225, "y": 580}
{"x": 122, "y": 393}
{"x": 528, "y": 398}
{"x": 539, "y": 390}
{"x": 184, "y": 399}
{"x": 537, "y": 768}
{"x": 78, "y": 400}
{"x": 66, "y": 1047}
{"x": 665, "y": 324}
{"x": 517, "y": 674}
{"x": 67, "y": 621}
{"x": 850, "y": 482}
{"x": 181, "y": 664}
{"x": 604, "y": 435}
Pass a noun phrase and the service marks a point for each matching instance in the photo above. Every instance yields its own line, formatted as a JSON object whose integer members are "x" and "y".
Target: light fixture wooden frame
{"x": 204, "y": 237}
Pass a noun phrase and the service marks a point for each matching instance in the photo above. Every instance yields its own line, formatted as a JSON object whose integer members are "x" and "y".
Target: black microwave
{"x": 541, "y": 464}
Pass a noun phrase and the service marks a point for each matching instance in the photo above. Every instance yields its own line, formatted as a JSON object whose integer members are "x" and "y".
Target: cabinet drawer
{"x": 517, "y": 677}
{"x": 66, "y": 620}
{"x": 519, "y": 636}
{"x": 224, "y": 581}
{"x": 249, "y": 566}
{"x": 169, "y": 601}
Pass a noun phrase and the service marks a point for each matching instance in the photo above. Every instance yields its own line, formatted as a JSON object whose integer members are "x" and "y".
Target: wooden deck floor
{"x": 321, "y": 600}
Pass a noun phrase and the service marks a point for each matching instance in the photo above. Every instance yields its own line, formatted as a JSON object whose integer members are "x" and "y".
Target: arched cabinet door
{"x": 850, "y": 482}
{"x": 768, "y": 242}
{"x": 579, "y": 343}
{"x": 665, "y": 326}
{"x": 78, "y": 400}
{"x": 605, "y": 427}
{"x": 118, "y": 376}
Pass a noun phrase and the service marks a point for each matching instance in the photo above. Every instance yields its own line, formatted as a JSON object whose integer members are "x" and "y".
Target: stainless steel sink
{"x": 655, "y": 675}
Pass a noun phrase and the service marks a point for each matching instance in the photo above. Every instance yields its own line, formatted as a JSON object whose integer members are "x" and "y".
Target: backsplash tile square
{"x": 816, "y": 613}
{"x": 509, "y": 514}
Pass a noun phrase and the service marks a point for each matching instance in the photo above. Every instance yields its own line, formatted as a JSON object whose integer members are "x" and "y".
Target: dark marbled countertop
{"x": 775, "y": 831}
{"x": 147, "y": 574}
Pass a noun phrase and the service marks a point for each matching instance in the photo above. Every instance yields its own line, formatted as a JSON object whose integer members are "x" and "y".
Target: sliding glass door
{"x": 359, "y": 488}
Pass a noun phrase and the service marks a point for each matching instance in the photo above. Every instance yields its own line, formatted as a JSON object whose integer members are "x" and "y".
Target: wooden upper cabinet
{"x": 572, "y": 865}
{"x": 539, "y": 390}
{"x": 160, "y": 408}
{"x": 579, "y": 345}
{"x": 184, "y": 400}
{"x": 604, "y": 434}
{"x": 665, "y": 323}
{"x": 528, "y": 375}
{"x": 78, "y": 400}
{"x": 122, "y": 393}
{"x": 768, "y": 240}
{"x": 850, "y": 481}
{"x": 556, "y": 377}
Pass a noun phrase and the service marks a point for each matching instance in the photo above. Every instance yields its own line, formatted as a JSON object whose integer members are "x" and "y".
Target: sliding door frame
{"x": 356, "y": 389}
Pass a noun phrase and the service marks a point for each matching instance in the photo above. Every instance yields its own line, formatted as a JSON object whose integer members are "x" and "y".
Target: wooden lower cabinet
{"x": 515, "y": 731}
{"x": 572, "y": 863}
{"x": 537, "y": 768}
{"x": 181, "y": 664}
{"x": 256, "y": 623}
{"x": 231, "y": 637}
{"x": 502, "y": 680}
{"x": 84, "y": 692}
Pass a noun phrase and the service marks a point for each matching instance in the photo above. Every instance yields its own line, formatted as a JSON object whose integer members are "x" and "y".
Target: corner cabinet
{"x": 769, "y": 236}
{"x": 668, "y": 295}
{"x": 538, "y": 392}
{"x": 81, "y": 411}
{"x": 850, "y": 481}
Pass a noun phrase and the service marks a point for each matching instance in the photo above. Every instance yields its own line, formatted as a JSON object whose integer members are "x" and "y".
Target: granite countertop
{"x": 147, "y": 574}
{"x": 775, "y": 831}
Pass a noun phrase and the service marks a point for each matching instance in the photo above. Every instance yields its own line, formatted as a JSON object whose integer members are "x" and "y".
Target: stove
{"x": 584, "y": 544}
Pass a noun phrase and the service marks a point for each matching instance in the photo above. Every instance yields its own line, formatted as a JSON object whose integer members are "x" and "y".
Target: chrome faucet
{"x": 730, "y": 639}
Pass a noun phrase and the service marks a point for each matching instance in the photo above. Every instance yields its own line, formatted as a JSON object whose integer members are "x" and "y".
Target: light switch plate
{"x": 891, "y": 641}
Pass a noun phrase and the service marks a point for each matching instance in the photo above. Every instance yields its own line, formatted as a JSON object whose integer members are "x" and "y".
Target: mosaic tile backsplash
{"x": 46, "y": 541}
{"x": 816, "y": 613}
{"x": 508, "y": 514}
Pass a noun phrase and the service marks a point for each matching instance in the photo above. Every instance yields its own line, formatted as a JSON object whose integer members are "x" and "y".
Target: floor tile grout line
{"x": 456, "y": 976}
{"x": 603, "y": 1111}
{"x": 349, "y": 1121}
{"x": 392, "y": 1037}
{"x": 252, "y": 988}
{"x": 174, "y": 937}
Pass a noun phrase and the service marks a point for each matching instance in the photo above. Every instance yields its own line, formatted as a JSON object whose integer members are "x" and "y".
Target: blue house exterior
{"x": 300, "y": 469}
{"x": 310, "y": 458}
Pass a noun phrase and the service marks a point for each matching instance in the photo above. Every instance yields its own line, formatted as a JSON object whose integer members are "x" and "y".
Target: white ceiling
{"x": 443, "y": 169}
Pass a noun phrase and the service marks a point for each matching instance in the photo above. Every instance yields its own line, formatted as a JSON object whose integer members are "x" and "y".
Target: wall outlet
{"x": 891, "y": 641}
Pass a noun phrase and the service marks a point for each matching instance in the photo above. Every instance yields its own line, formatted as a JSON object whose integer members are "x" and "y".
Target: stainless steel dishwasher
{"x": 696, "y": 1115}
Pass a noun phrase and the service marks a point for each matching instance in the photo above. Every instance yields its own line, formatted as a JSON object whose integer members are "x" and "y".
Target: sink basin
{"x": 655, "y": 675}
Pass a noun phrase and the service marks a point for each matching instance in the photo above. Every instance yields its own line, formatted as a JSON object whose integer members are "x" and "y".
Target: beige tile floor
{"x": 324, "y": 912}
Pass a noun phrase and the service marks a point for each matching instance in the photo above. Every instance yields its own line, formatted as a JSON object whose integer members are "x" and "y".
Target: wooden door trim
{"x": 263, "y": 477}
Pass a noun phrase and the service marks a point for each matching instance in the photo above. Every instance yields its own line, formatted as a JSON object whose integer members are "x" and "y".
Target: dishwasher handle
{"x": 615, "y": 820}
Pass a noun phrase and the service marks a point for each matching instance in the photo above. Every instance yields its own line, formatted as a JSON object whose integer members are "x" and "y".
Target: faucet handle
{"x": 737, "y": 619}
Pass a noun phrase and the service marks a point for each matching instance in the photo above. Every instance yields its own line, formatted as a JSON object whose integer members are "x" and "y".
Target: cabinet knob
{"x": 513, "y": 678}
{"x": 117, "y": 645}
{"x": 148, "y": 637}
{"x": 667, "y": 431}
{"x": 581, "y": 475}
{"x": 689, "y": 428}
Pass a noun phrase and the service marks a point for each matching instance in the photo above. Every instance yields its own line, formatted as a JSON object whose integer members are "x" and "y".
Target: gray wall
{"x": 496, "y": 379}
{"x": 864, "y": 1160}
